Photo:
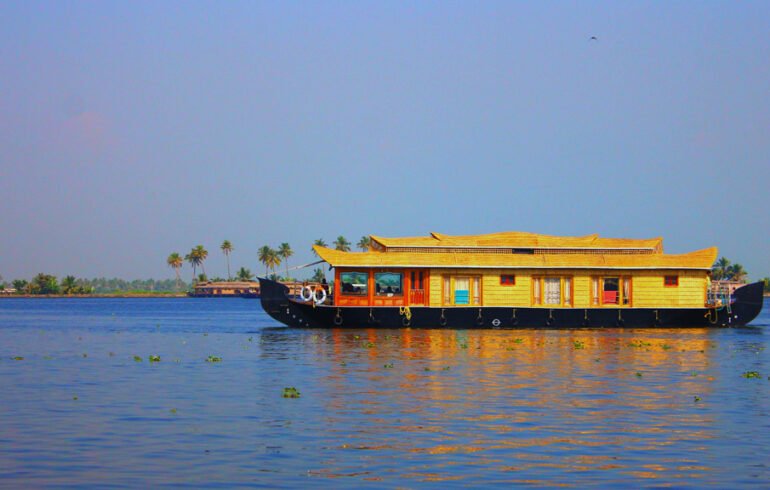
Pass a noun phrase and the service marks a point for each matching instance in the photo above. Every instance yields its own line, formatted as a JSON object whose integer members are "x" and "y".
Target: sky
{"x": 131, "y": 130}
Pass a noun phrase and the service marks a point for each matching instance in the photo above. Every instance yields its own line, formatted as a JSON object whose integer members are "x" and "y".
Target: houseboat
{"x": 513, "y": 280}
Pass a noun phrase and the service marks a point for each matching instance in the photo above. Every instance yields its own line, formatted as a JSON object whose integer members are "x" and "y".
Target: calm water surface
{"x": 378, "y": 408}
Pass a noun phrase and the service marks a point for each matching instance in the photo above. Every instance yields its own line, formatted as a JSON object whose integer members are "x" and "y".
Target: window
{"x": 552, "y": 291}
{"x": 671, "y": 281}
{"x": 611, "y": 291}
{"x": 462, "y": 290}
{"x": 507, "y": 280}
{"x": 388, "y": 284}
{"x": 354, "y": 283}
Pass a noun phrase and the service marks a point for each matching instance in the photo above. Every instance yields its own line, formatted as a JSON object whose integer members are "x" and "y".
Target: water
{"x": 390, "y": 408}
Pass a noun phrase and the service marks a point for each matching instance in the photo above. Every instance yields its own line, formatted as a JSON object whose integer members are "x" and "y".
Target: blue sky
{"x": 130, "y": 130}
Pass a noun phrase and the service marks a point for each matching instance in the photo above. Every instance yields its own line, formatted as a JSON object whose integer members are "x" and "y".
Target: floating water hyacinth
{"x": 579, "y": 344}
{"x": 388, "y": 366}
{"x": 290, "y": 392}
{"x": 368, "y": 345}
{"x": 137, "y": 359}
{"x": 751, "y": 374}
{"x": 18, "y": 358}
{"x": 638, "y": 374}
{"x": 696, "y": 398}
{"x": 213, "y": 359}
{"x": 154, "y": 358}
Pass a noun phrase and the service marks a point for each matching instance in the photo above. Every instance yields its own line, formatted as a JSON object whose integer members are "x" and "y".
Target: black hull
{"x": 747, "y": 305}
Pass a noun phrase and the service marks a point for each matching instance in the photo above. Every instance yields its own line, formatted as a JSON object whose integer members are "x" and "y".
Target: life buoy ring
{"x": 320, "y": 300}
{"x": 309, "y": 293}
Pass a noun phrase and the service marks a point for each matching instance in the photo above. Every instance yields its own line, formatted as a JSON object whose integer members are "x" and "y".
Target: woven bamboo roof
{"x": 517, "y": 239}
{"x": 701, "y": 260}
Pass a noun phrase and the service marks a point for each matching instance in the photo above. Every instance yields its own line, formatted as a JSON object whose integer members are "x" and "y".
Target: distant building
{"x": 232, "y": 288}
{"x": 8, "y": 291}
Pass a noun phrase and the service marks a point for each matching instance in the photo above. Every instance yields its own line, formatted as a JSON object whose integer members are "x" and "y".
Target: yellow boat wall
{"x": 647, "y": 287}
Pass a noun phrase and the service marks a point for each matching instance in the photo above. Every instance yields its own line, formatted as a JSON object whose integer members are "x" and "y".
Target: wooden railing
{"x": 416, "y": 296}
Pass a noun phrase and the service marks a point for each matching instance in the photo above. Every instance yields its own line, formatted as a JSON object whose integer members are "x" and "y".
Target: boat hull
{"x": 746, "y": 306}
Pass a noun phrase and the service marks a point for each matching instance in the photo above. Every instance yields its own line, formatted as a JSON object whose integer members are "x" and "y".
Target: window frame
{"x": 364, "y": 293}
{"x": 507, "y": 279}
{"x": 392, "y": 294}
{"x": 475, "y": 292}
{"x": 675, "y": 281}
{"x": 566, "y": 300}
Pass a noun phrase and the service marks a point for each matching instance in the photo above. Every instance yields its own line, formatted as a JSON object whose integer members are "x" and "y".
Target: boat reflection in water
{"x": 516, "y": 406}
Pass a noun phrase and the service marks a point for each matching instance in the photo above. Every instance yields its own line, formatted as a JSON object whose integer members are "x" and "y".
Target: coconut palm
{"x": 202, "y": 254}
{"x": 284, "y": 251}
{"x": 320, "y": 242}
{"x": 264, "y": 256}
{"x": 69, "y": 285}
{"x": 720, "y": 268}
{"x": 274, "y": 260}
{"x": 341, "y": 243}
{"x": 226, "y": 248}
{"x": 364, "y": 243}
{"x": 737, "y": 272}
{"x": 318, "y": 275}
{"x": 194, "y": 261}
{"x": 175, "y": 260}
{"x": 244, "y": 274}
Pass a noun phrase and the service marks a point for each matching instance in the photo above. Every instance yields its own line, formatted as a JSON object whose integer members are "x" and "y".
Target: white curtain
{"x": 552, "y": 290}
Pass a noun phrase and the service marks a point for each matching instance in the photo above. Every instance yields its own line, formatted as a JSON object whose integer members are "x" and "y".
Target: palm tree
{"x": 202, "y": 254}
{"x": 364, "y": 243}
{"x": 244, "y": 274}
{"x": 320, "y": 242}
{"x": 264, "y": 256}
{"x": 720, "y": 269}
{"x": 175, "y": 260}
{"x": 274, "y": 260}
{"x": 318, "y": 275}
{"x": 194, "y": 261}
{"x": 737, "y": 272}
{"x": 285, "y": 251}
{"x": 69, "y": 285}
{"x": 227, "y": 247}
{"x": 341, "y": 243}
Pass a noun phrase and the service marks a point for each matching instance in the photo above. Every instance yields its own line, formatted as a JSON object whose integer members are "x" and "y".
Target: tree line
{"x": 271, "y": 258}
{"x": 43, "y": 284}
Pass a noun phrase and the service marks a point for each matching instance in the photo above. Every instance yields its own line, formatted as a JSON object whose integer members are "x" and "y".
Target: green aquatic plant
{"x": 213, "y": 359}
{"x": 75, "y": 397}
{"x": 445, "y": 368}
{"x": 518, "y": 340}
{"x": 463, "y": 345}
{"x": 751, "y": 374}
{"x": 137, "y": 359}
{"x": 665, "y": 346}
{"x": 291, "y": 392}
{"x": 357, "y": 337}
{"x": 343, "y": 364}
{"x": 696, "y": 398}
{"x": 173, "y": 410}
{"x": 154, "y": 358}
{"x": 426, "y": 369}
{"x": 638, "y": 374}
{"x": 388, "y": 366}
{"x": 579, "y": 344}
{"x": 18, "y": 358}
{"x": 639, "y": 344}
{"x": 368, "y": 345}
